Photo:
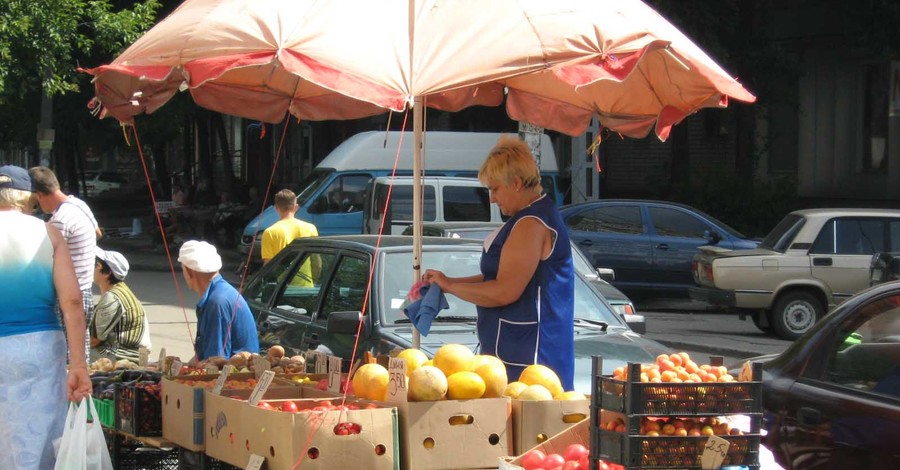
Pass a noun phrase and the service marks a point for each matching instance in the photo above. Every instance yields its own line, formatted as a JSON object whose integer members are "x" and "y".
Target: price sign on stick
{"x": 162, "y": 359}
{"x": 260, "y": 365}
{"x": 264, "y": 381}
{"x": 321, "y": 363}
{"x": 220, "y": 382}
{"x": 310, "y": 357}
{"x": 143, "y": 356}
{"x": 334, "y": 374}
{"x": 256, "y": 462}
{"x": 397, "y": 380}
{"x": 176, "y": 367}
{"x": 714, "y": 452}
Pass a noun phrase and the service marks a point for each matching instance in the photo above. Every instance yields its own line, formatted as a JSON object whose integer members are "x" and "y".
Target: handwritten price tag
{"x": 321, "y": 363}
{"x": 176, "y": 367}
{"x": 397, "y": 381}
{"x": 220, "y": 382}
{"x": 143, "y": 356}
{"x": 264, "y": 381}
{"x": 714, "y": 452}
{"x": 162, "y": 359}
{"x": 334, "y": 374}
{"x": 260, "y": 365}
{"x": 256, "y": 462}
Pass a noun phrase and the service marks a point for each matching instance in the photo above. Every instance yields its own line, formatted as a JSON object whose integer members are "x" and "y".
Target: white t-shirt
{"x": 78, "y": 226}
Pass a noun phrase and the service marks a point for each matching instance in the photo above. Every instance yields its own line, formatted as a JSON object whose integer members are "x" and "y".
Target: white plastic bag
{"x": 83, "y": 446}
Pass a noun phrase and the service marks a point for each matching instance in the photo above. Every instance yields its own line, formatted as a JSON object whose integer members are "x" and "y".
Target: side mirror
{"x": 637, "y": 323}
{"x": 712, "y": 237}
{"x": 345, "y": 323}
{"x": 607, "y": 274}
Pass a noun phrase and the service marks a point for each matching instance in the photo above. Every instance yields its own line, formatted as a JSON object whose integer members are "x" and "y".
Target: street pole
{"x": 532, "y": 134}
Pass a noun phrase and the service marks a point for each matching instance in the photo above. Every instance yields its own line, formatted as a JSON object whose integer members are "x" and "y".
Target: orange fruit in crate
{"x": 453, "y": 358}
{"x": 414, "y": 359}
{"x": 537, "y": 374}
{"x": 495, "y": 379}
{"x": 427, "y": 383}
{"x": 465, "y": 385}
{"x": 371, "y": 382}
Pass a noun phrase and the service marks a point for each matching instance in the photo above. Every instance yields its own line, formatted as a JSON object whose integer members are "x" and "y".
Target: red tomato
{"x": 553, "y": 461}
{"x": 602, "y": 465}
{"x": 265, "y": 405}
{"x": 533, "y": 460}
{"x": 371, "y": 406}
{"x": 289, "y": 406}
{"x": 584, "y": 463}
{"x": 571, "y": 465}
{"x": 574, "y": 452}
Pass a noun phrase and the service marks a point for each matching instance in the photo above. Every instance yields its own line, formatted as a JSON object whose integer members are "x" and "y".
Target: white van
{"x": 331, "y": 197}
{"x": 446, "y": 199}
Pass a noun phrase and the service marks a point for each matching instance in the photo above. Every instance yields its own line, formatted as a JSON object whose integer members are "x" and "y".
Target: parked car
{"x": 598, "y": 277}
{"x": 99, "y": 182}
{"x": 832, "y": 398}
{"x": 649, "y": 244}
{"x": 327, "y": 315}
{"x": 811, "y": 261}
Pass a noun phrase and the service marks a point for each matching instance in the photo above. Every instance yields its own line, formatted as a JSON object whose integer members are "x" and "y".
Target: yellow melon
{"x": 535, "y": 393}
{"x": 482, "y": 359}
{"x": 495, "y": 379}
{"x": 465, "y": 385}
{"x": 537, "y": 374}
{"x": 371, "y": 382}
{"x": 513, "y": 389}
{"x": 427, "y": 383}
{"x": 453, "y": 358}
{"x": 573, "y": 395}
{"x": 414, "y": 359}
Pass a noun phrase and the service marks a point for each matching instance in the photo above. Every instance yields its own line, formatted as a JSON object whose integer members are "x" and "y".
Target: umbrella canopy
{"x": 559, "y": 63}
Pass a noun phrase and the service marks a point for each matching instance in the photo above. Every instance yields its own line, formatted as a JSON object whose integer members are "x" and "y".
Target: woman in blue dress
{"x": 525, "y": 292}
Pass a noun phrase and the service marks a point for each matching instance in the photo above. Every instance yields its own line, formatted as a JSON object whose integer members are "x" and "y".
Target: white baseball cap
{"x": 117, "y": 263}
{"x": 200, "y": 257}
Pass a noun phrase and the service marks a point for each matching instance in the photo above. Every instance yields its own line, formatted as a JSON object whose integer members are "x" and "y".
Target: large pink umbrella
{"x": 559, "y": 62}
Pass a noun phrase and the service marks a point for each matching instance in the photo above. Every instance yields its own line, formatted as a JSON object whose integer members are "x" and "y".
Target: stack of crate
{"x": 633, "y": 401}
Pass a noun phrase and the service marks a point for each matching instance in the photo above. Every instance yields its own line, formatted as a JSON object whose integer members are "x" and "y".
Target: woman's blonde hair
{"x": 15, "y": 198}
{"x": 511, "y": 158}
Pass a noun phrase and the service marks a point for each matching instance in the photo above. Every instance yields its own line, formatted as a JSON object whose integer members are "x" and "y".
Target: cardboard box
{"x": 580, "y": 433}
{"x": 287, "y": 439}
{"x": 536, "y": 421}
{"x": 225, "y": 436}
{"x": 183, "y": 405}
{"x": 453, "y": 434}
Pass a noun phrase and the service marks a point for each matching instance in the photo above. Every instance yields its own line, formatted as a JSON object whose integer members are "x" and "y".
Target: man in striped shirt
{"x": 74, "y": 219}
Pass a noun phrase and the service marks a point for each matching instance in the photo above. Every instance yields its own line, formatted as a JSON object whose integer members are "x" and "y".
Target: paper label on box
{"x": 255, "y": 462}
{"x": 176, "y": 367}
{"x": 220, "y": 382}
{"x": 714, "y": 452}
{"x": 260, "y": 365}
{"x": 162, "y": 359}
{"x": 334, "y": 374}
{"x": 143, "y": 356}
{"x": 397, "y": 381}
{"x": 321, "y": 363}
{"x": 264, "y": 381}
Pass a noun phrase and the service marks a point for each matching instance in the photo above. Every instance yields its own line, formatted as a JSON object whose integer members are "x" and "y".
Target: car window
{"x": 610, "y": 219}
{"x": 866, "y": 353}
{"x": 895, "y": 235}
{"x": 262, "y": 287}
{"x": 345, "y": 194}
{"x": 402, "y": 202}
{"x": 395, "y": 270}
{"x": 674, "y": 223}
{"x": 301, "y": 293}
{"x": 348, "y": 288}
{"x": 845, "y": 236}
{"x": 466, "y": 203}
{"x": 589, "y": 306}
{"x": 780, "y": 238}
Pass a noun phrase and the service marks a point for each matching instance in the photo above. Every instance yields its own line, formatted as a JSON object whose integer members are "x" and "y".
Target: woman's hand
{"x": 78, "y": 383}
{"x": 434, "y": 276}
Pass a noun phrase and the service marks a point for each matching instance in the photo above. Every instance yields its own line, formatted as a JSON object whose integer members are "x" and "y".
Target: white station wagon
{"x": 811, "y": 261}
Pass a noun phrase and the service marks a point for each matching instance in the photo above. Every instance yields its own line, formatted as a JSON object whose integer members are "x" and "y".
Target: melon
{"x": 465, "y": 385}
{"x": 535, "y": 393}
{"x": 371, "y": 382}
{"x": 427, "y": 383}
{"x": 495, "y": 380}
{"x": 537, "y": 374}
{"x": 453, "y": 358}
{"x": 414, "y": 359}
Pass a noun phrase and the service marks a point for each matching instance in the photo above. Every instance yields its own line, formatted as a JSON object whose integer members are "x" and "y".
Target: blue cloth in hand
{"x": 422, "y": 312}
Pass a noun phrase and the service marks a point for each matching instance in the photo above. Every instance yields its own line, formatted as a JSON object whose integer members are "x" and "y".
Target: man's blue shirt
{"x": 215, "y": 311}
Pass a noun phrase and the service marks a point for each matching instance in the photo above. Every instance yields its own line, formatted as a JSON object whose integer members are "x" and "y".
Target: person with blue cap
{"x": 35, "y": 271}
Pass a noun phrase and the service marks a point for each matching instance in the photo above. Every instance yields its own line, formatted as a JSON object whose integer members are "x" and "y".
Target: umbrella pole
{"x": 418, "y": 118}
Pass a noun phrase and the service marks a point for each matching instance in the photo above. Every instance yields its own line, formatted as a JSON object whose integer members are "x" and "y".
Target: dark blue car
{"x": 649, "y": 244}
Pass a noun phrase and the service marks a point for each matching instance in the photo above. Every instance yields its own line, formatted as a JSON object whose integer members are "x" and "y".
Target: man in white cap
{"x": 120, "y": 327}
{"x": 225, "y": 325}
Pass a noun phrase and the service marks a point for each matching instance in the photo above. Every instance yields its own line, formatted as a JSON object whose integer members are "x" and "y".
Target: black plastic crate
{"x": 633, "y": 397}
{"x": 188, "y": 460}
{"x": 138, "y": 409}
{"x": 648, "y": 452}
{"x": 130, "y": 454}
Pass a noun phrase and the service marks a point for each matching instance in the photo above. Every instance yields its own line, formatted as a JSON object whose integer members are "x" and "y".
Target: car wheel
{"x": 795, "y": 313}
{"x": 762, "y": 321}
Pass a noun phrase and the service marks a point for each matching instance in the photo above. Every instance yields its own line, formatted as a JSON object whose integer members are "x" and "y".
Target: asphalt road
{"x": 681, "y": 325}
